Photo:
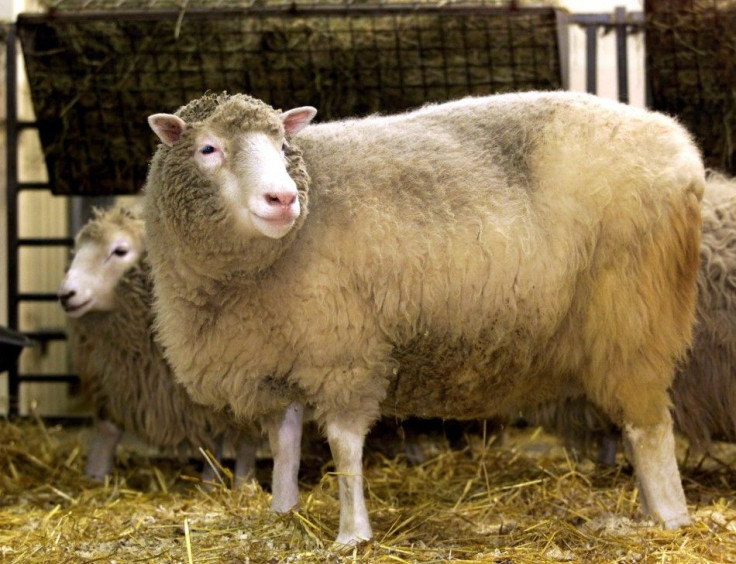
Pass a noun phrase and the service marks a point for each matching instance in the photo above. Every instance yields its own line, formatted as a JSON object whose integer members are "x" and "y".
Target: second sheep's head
{"x": 239, "y": 149}
{"x": 107, "y": 247}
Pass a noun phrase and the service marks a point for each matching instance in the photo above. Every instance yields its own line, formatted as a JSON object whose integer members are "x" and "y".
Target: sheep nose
{"x": 280, "y": 199}
{"x": 66, "y": 296}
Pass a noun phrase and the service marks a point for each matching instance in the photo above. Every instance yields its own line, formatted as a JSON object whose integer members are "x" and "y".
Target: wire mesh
{"x": 148, "y": 5}
{"x": 95, "y": 76}
{"x": 691, "y": 62}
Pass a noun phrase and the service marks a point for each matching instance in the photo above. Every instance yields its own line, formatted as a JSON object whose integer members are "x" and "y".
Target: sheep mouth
{"x": 75, "y": 308}
{"x": 278, "y": 220}
{"x": 274, "y": 226}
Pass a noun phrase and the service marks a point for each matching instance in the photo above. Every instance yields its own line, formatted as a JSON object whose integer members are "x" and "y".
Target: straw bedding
{"x": 525, "y": 501}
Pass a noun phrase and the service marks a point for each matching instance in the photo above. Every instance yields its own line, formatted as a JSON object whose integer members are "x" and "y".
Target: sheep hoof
{"x": 352, "y": 534}
{"x": 96, "y": 470}
{"x": 96, "y": 476}
{"x": 681, "y": 520}
{"x": 345, "y": 542}
{"x": 243, "y": 482}
{"x": 277, "y": 507}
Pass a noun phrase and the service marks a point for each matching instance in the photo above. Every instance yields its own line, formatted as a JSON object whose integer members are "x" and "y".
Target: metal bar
{"x": 46, "y": 335}
{"x": 68, "y": 420}
{"x": 33, "y": 186}
{"x": 54, "y": 378}
{"x": 621, "y": 20}
{"x": 286, "y": 10}
{"x": 622, "y": 55}
{"x": 36, "y": 297}
{"x": 563, "y": 43}
{"x": 46, "y": 242}
{"x": 591, "y": 58}
{"x": 631, "y": 18}
{"x": 11, "y": 142}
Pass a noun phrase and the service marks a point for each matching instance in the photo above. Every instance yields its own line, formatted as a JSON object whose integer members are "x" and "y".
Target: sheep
{"x": 704, "y": 388}
{"x": 107, "y": 295}
{"x": 461, "y": 260}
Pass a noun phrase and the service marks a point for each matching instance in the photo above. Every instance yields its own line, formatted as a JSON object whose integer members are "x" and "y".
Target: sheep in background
{"x": 461, "y": 260}
{"x": 704, "y": 389}
{"x": 107, "y": 295}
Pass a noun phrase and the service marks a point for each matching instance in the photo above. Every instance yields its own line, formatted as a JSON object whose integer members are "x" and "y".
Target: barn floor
{"x": 522, "y": 502}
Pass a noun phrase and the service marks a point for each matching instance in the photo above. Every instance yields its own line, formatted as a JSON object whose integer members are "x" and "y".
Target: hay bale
{"x": 95, "y": 76}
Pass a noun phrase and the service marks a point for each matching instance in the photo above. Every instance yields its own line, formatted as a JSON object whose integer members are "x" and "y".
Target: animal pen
{"x": 97, "y": 68}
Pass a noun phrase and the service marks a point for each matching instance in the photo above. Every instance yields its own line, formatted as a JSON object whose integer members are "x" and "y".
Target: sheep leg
{"x": 102, "y": 451}
{"x": 245, "y": 459}
{"x": 285, "y": 436}
{"x": 608, "y": 448}
{"x": 346, "y": 436}
{"x": 651, "y": 450}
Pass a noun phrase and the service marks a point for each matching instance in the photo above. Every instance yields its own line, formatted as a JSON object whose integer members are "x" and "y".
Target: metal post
{"x": 622, "y": 55}
{"x": 591, "y": 58}
{"x": 11, "y": 143}
{"x": 563, "y": 42}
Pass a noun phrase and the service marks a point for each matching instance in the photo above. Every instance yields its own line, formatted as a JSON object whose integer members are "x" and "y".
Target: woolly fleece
{"x": 123, "y": 368}
{"x": 461, "y": 260}
{"x": 704, "y": 389}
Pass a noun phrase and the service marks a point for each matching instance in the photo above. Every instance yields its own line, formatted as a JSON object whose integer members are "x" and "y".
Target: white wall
{"x": 606, "y": 61}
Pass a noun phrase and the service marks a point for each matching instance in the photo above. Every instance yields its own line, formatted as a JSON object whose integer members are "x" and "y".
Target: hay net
{"x": 691, "y": 63}
{"x": 98, "y": 68}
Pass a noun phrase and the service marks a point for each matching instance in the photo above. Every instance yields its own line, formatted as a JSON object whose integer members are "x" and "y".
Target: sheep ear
{"x": 167, "y": 127}
{"x": 297, "y": 119}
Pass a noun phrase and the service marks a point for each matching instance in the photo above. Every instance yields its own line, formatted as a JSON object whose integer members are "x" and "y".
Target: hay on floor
{"x": 523, "y": 502}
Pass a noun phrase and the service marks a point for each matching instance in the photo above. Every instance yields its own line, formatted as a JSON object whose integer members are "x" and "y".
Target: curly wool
{"x": 202, "y": 211}
{"x": 704, "y": 392}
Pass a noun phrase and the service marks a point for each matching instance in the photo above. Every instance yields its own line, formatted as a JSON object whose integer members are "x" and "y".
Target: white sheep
{"x": 107, "y": 294}
{"x": 460, "y": 260}
{"x": 704, "y": 389}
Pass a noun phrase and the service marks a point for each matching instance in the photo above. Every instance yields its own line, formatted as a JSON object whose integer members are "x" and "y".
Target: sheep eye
{"x": 120, "y": 252}
{"x": 207, "y": 150}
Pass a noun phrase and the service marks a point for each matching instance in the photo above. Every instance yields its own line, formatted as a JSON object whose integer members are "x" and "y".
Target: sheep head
{"x": 109, "y": 245}
{"x": 227, "y": 160}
